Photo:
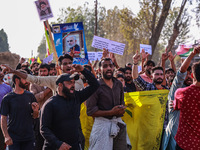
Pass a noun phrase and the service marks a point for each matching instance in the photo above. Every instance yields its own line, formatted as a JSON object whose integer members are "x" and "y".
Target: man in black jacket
{"x": 60, "y": 114}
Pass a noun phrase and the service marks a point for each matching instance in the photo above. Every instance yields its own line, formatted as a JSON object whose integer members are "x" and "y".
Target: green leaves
{"x": 4, "y": 46}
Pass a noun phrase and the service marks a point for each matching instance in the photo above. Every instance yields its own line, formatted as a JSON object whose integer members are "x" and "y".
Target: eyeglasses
{"x": 106, "y": 65}
{"x": 70, "y": 41}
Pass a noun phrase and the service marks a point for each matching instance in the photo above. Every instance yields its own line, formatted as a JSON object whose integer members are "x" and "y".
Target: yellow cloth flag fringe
{"x": 144, "y": 118}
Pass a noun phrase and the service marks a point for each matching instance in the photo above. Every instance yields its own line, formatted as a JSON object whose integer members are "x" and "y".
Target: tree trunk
{"x": 176, "y": 28}
{"x": 156, "y": 34}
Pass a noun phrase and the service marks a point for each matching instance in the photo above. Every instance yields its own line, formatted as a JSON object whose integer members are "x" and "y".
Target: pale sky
{"x": 20, "y": 20}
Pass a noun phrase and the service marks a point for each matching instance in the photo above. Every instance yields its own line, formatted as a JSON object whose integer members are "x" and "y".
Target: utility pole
{"x": 95, "y": 28}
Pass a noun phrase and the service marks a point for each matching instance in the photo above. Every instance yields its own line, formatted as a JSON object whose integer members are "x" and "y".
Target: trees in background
{"x": 4, "y": 46}
{"x": 158, "y": 23}
{"x": 42, "y": 48}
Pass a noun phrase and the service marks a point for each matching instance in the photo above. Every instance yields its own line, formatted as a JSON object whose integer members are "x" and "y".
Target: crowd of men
{"x": 41, "y": 109}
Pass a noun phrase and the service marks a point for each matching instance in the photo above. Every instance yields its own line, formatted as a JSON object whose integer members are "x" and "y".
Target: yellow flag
{"x": 144, "y": 117}
{"x": 38, "y": 60}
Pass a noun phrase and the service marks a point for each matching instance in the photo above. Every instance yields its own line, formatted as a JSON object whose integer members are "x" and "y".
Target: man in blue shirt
{"x": 182, "y": 76}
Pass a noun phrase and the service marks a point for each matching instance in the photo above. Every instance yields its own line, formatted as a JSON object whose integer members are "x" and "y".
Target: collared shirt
{"x": 145, "y": 86}
{"x": 187, "y": 100}
{"x": 146, "y": 78}
{"x": 105, "y": 98}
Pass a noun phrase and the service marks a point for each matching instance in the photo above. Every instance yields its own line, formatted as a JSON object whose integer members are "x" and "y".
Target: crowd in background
{"x": 40, "y": 108}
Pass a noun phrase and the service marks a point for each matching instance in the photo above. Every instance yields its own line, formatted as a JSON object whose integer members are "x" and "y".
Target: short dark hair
{"x": 121, "y": 69}
{"x": 32, "y": 64}
{"x": 17, "y": 77}
{"x": 127, "y": 68}
{"x": 157, "y": 68}
{"x": 149, "y": 62}
{"x": 120, "y": 76}
{"x": 28, "y": 70}
{"x": 169, "y": 69}
{"x": 128, "y": 64}
{"x": 44, "y": 66}
{"x": 67, "y": 56}
{"x": 52, "y": 65}
{"x": 196, "y": 71}
{"x": 104, "y": 59}
{"x": 42, "y": 3}
{"x": 189, "y": 68}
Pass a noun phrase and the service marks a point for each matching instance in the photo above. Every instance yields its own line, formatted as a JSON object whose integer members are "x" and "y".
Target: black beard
{"x": 53, "y": 74}
{"x": 148, "y": 72}
{"x": 186, "y": 83}
{"x": 128, "y": 79}
{"x": 67, "y": 93}
{"x": 23, "y": 86}
{"x": 157, "y": 82}
{"x": 107, "y": 77}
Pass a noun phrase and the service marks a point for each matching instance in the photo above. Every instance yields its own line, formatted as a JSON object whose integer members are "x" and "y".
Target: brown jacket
{"x": 39, "y": 93}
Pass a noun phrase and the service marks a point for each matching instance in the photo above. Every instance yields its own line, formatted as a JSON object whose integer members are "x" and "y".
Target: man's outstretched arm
{"x": 8, "y": 69}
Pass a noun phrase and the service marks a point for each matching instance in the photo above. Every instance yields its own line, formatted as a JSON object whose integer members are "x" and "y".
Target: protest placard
{"x": 147, "y": 48}
{"x": 139, "y": 69}
{"x": 112, "y": 46}
{"x": 99, "y": 55}
{"x": 70, "y": 36}
{"x": 92, "y": 56}
{"x": 48, "y": 59}
{"x": 44, "y": 9}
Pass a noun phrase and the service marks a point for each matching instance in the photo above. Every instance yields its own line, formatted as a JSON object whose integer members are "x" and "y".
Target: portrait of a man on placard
{"x": 44, "y": 9}
{"x": 73, "y": 41}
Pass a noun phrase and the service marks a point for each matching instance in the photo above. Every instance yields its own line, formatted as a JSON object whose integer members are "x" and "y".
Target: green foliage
{"x": 42, "y": 49}
{"x": 4, "y": 46}
{"x": 81, "y": 14}
{"x": 126, "y": 27}
{"x": 184, "y": 27}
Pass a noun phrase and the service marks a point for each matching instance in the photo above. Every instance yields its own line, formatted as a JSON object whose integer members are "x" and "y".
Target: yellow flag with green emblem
{"x": 144, "y": 117}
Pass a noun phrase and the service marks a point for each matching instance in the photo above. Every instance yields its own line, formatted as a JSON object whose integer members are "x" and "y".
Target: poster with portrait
{"x": 44, "y": 9}
{"x": 71, "y": 37}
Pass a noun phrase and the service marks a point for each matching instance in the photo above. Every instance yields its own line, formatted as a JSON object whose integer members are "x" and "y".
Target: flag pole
{"x": 53, "y": 45}
{"x": 51, "y": 40}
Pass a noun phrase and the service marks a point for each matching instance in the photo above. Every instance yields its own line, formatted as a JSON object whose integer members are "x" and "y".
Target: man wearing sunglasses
{"x": 106, "y": 105}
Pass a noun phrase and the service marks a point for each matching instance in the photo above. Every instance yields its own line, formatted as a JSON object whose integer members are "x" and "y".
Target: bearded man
{"x": 72, "y": 45}
{"x": 157, "y": 77}
{"x": 106, "y": 105}
{"x": 59, "y": 122}
{"x": 130, "y": 86}
{"x": 21, "y": 107}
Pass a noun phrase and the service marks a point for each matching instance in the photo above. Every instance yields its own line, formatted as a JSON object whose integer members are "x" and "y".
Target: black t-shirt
{"x": 130, "y": 87}
{"x": 61, "y": 116}
{"x": 18, "y": 109}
